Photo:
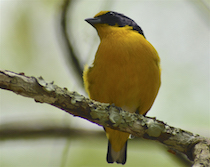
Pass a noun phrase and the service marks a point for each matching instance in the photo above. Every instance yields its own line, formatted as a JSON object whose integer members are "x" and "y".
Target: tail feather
{"x": 119, "y": 157}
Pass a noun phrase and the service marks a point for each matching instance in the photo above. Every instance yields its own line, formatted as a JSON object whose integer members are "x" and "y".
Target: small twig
{"x": 71, "y": 55}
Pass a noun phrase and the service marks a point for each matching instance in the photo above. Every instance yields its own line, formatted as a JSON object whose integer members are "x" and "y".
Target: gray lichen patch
{"x": 129, "y": 117}
{"x": 99, "y": 112}
{"x": 76, "y": 97}
{"x": 115, "y": 118}
{"x": 50, "y": 87}
{"x": 154, "y": 128}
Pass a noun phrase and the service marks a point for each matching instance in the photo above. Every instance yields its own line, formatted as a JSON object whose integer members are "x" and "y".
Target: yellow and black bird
{"x": 125, "y": 72}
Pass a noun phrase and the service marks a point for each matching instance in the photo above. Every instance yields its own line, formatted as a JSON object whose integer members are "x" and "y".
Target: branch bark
{"x": 195, "y": 147}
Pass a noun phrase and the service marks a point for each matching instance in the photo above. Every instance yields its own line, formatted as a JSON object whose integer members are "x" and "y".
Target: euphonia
{"x": 125, "y": 72}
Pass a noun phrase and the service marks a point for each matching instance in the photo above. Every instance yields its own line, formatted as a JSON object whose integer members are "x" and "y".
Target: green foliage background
{"x": 30, "y": 42}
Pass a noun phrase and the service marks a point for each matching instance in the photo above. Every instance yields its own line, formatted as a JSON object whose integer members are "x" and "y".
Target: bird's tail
{"x": 113, "y": 156}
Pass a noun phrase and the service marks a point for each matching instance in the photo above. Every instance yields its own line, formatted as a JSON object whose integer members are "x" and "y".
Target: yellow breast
{"x": 125, "y": 70}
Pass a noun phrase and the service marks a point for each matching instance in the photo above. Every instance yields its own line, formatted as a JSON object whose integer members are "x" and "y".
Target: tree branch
{"x": 195, "y": 147}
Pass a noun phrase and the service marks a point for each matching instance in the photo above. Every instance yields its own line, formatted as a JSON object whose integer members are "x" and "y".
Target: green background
{"x": 30, "y": 42}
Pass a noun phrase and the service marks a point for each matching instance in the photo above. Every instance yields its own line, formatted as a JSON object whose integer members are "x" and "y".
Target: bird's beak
{"x": 93, "y": 21}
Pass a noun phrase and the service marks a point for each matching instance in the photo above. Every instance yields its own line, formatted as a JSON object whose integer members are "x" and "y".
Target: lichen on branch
{"x": 195, "y": 147}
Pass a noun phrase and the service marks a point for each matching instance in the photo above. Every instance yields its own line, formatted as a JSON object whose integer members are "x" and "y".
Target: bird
{"x": 125, "y": 72}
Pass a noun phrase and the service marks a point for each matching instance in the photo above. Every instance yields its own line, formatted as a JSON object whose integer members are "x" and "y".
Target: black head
{"x": 114, "y": 19}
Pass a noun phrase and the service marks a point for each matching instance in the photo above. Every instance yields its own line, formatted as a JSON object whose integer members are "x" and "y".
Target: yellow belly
{"x": 125, "y": 72}
{"x": 130, "y": 79}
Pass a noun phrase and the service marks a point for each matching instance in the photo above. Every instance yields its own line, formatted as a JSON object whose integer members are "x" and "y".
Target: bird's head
{"x": 105, "y": 19}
